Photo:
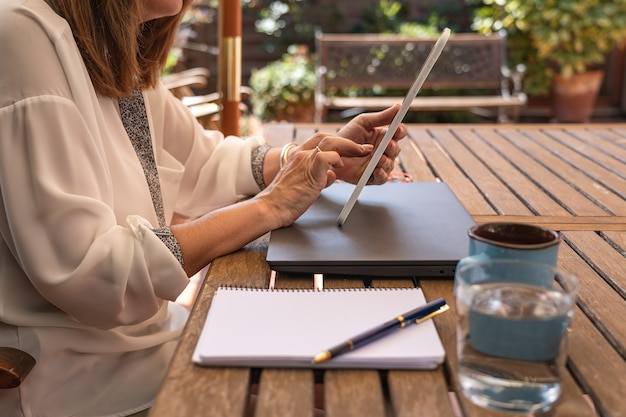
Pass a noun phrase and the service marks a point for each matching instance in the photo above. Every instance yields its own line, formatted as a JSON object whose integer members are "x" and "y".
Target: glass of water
{"x": 512, "y": 332}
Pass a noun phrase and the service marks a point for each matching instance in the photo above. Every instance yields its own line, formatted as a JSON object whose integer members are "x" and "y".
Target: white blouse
{"x": 84, "y": 282}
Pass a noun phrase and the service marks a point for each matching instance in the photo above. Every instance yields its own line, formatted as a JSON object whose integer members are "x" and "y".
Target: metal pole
{"x": 229, "y": 77}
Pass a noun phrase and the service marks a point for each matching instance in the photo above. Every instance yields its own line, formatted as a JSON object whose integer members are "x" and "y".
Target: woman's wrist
{"x": 270, "y": 210}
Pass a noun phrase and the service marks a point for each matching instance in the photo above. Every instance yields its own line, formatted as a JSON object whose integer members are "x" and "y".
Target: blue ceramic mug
{"x": 503, "y": 240}
{"x": 500, "y": 240}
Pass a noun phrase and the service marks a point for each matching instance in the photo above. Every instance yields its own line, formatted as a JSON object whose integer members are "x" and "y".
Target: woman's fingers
{"x": 341, "y": 145}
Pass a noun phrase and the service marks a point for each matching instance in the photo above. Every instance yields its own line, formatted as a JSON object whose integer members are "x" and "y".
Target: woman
{"x": 113, "y": 195}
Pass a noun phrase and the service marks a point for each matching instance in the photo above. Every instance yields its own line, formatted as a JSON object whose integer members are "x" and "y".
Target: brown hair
{"x": 120, "y": 52}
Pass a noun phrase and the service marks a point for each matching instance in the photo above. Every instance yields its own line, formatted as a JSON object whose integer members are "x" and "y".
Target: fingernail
{"x": 367, "y": 147}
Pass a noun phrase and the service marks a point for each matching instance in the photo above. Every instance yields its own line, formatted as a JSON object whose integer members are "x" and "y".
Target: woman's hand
{"x": 367, "y": 129}
{"x": 370, "y": 128}
{"x": 324, "y": 158}
{"x": 311, "y": 167}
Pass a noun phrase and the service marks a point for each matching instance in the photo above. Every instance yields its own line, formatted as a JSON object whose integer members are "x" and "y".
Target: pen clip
{"x": 441, "y": 309}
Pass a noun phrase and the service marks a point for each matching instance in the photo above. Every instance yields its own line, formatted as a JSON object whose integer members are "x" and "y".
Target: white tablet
{"x": 404, "y": 108}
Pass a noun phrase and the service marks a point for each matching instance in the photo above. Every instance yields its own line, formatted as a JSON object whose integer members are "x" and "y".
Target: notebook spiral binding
{"x": 244, "y": 288}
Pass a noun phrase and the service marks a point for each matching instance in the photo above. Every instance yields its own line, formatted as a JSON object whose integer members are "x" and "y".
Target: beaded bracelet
{"x": 284, "y": 153}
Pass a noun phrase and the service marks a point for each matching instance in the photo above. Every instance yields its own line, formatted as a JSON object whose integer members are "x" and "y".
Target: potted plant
{"x": 284, "y": 90}
{"x": 564, "y": 42}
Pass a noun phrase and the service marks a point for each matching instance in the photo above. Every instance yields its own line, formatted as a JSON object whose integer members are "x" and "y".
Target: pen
{"x": 416, "y": 316}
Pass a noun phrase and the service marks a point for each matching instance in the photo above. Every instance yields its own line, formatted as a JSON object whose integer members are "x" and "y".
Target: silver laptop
{"x": 396, "y": 229}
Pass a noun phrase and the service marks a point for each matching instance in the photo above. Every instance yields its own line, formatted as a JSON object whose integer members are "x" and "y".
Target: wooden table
{"x": 570, "y": 178}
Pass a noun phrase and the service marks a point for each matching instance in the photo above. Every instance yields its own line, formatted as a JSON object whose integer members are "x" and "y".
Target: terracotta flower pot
{"x": 573, "y": 97}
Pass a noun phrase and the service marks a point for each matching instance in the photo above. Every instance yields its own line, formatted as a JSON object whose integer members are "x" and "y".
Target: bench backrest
{"x": 392, "y": 61}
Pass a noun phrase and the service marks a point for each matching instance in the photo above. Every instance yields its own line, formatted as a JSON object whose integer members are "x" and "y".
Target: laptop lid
{"x": 395, "y": 229}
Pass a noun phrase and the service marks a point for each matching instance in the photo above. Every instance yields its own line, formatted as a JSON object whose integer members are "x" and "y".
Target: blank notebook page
{"x": 287, "y": 328}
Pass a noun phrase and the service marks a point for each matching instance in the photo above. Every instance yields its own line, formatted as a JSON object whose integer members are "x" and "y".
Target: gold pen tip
{"x": 321, "y": 357}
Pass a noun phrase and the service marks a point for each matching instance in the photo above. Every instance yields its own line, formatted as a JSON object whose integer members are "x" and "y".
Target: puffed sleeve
{"x": 74, "y": 221}
{"x": 215, "y": 171}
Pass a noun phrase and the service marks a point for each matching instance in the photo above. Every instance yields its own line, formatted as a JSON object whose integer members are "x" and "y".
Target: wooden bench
{"x": 357, "y": 71}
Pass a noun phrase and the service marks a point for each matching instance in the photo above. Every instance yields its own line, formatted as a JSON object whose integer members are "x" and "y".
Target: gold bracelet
{"x": 284, "y": 153}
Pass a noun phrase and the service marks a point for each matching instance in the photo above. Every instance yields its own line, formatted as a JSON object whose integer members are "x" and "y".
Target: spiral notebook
{"x": 287, "y": 328}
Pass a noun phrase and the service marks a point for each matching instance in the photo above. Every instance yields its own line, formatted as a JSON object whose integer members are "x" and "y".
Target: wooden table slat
{"x": 353, "y": 393}
{"x": 571, "y": 186}
{"x": 473, "y": 199}
{"x": 555, "y": 186}
{"x": 412, "y": 160}
{"x": 599, "y": 165}
{"x": 606, "y": 143}
{"x": 479, "y": 167}
{"x": 589, "y": 223}
{"x": 529, "y": 191}
{"x": 285, "y": 392}
{"x": 605, "y": 252}
{"x": 411, "y": 393}
{"x": 603, "y": 295}
{"x": 609, "y": 133}
{"x": 223, "y": 391}
{"x": 599, "y": 368}
{"x": 617, "y": 239}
